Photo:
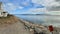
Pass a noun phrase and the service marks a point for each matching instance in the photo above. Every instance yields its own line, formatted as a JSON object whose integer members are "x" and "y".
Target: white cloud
{"x": 54, "y": 6}
{"x": 36, "y": 1}
{"x": 47, "y": 2}
{"x": 43, "y": 2}
{"x": 25, "y": 3}
{"x": 20, "y": 7}
{"x": 11, "y": 7}
{"x": 51, "y": 5}
{"x": 38, "y": 10}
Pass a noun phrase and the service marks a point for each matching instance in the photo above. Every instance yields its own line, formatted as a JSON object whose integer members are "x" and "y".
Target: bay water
{"x": 41, "y": 19}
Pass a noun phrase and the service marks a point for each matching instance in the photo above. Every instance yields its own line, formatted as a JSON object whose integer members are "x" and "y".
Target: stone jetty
{"x": 38, "y": 28}
{"x": 31, "y": 27}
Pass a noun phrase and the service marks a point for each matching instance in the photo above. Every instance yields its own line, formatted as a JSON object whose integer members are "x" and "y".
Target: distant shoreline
{"x": 37, "y": 14}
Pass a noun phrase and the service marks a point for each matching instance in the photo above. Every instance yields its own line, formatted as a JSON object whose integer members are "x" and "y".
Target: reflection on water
{"x": 42, "y": 19}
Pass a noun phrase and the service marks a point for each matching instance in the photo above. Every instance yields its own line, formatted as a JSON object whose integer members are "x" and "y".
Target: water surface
{"x": 42, "y": 19}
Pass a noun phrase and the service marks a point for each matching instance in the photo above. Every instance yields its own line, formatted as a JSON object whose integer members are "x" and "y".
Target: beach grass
{"x": 8, "y": 20}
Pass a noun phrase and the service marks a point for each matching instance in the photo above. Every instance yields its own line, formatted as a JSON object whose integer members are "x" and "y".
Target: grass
{"x": 8, "y": 20}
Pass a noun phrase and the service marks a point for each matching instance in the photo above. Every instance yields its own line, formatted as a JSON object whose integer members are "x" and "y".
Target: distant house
{"x": 2, "y": 12}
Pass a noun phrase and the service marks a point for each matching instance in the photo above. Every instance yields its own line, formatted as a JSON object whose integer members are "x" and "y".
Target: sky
{"x": 30, "y": 6}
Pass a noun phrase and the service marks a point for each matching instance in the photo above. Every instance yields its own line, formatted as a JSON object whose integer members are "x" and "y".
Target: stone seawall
{"x": 38, "y": 28}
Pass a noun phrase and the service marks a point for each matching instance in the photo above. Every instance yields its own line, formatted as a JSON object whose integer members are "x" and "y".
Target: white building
{"x": 2, "y": 12}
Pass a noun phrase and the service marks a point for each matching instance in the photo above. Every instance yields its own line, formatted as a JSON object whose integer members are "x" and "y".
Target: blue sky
{"x": 28, "y": 6}
{"x": 20, "y": 6}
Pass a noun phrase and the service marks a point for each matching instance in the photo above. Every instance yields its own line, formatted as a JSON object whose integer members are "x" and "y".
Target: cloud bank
{"x": 32, "y": 6}
{"x": 54, "y": 6}
{"x": 51, "y": 5}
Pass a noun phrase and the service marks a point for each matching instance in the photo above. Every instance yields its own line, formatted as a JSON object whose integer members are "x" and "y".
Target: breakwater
{"x": 38, "y": 28}
{"x": 35, "y": 28}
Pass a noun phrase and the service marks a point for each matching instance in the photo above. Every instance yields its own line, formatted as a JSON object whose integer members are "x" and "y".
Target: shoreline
{"x": 32, "y": 26}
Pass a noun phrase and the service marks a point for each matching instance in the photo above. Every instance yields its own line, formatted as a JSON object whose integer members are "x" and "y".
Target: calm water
{"x": 42, "y": 19}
